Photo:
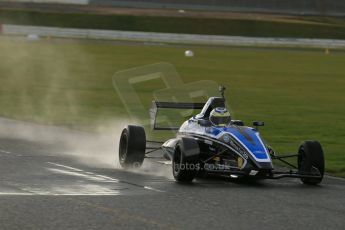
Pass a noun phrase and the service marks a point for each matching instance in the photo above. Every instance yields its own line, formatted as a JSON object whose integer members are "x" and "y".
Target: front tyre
{"x": 185, "y": 162}
{"x": 311, "y": 161}
{"x": 132, "y": 146}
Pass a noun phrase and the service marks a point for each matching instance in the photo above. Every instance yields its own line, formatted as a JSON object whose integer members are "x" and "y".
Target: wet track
{"x": 40, "y": 188}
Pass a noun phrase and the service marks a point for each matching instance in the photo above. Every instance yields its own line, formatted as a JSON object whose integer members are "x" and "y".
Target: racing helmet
{"x": 220, "y": 116}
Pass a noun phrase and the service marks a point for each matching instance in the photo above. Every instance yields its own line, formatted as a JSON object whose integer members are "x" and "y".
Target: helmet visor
{"x": 220, "y": 121}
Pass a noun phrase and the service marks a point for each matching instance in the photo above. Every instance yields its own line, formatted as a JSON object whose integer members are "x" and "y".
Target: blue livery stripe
{"x": 249, "y": 138}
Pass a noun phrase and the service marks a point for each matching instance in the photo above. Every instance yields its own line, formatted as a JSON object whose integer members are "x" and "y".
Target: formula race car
{"x": 213, "y": 143}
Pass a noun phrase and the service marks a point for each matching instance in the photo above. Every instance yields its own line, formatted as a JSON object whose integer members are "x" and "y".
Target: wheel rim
{"x": 123, "y": 146}
{"x": 302, "y": 160}
{"x": 177, "y": 161}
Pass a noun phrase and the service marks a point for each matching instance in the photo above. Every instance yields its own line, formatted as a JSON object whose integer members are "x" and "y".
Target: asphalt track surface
{"x": 44, "y": 185}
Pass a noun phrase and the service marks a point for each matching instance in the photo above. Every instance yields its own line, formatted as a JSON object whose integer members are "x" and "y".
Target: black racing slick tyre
{"x": 311, "y": 161}
{"x": 185, "y": 162}
{"x": 132, "y": 146}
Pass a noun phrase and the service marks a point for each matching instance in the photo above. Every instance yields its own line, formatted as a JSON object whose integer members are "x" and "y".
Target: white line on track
{"x": 67, "y": 167}
{"x": 4, "y": 151}
{"x": 91, "y": 176}
{"x": 16, "y": 194}
{"x": 104, "y": 186}
{"x": 81, "y": 173}
{"x": 52, "y": 194}
{"x": 153, "y": 189}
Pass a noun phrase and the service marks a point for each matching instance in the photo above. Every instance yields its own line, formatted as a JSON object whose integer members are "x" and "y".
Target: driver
{"x": 220, "y": 116}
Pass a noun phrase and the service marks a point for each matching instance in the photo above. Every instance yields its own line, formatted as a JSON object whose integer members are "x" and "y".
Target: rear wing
{"x": 156, "y": 105}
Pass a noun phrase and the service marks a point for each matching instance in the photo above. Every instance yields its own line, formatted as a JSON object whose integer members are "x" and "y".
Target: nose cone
{"x": 251, "y": 141}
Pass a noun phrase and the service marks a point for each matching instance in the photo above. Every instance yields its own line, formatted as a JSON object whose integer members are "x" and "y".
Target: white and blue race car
{"x": 212, "y": 143}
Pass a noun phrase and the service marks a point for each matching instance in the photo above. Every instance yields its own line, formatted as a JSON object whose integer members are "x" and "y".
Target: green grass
{"x": 306, "y": 27}
{"x": 300, "y": 94}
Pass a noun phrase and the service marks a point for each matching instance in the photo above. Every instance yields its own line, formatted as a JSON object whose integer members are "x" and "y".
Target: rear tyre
{"x": 185, "y": 161}
{"x": 132, "y": 146}
{"x": 311, "y": 161}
